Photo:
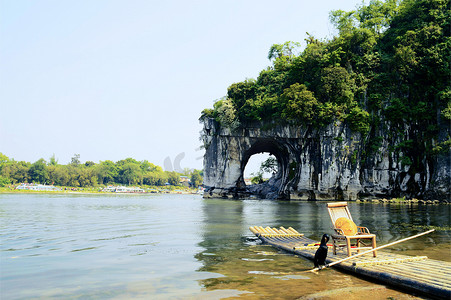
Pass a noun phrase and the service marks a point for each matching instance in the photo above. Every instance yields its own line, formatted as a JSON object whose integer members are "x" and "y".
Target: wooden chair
{"x": 340, "y": 238}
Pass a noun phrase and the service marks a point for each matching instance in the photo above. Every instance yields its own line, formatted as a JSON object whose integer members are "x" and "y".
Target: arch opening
{"x": 260, "y": 168}
{"x": 274, "y": 186}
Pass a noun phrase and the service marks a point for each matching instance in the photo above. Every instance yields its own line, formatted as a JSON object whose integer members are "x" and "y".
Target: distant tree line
{"x": 76, "y": 174}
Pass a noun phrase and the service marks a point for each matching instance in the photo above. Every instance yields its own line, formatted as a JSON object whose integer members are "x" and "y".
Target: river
{"x": 72, "y": 246}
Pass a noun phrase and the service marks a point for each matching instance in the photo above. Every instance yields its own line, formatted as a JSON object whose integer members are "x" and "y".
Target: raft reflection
{"x": 232, "y": 251}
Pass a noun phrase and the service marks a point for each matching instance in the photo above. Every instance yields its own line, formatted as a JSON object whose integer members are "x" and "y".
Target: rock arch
{"x": 313, "y": 163}
{"x": 276, "y": 186}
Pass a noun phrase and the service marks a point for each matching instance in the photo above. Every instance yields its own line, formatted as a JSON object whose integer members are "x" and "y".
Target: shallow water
{"x": 185, "y": 247}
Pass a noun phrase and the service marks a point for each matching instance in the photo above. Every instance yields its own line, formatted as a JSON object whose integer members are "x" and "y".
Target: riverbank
{"x": 100, "y": 190}
{"x": 406, "y": 201}
{"x": 187, "y": 190}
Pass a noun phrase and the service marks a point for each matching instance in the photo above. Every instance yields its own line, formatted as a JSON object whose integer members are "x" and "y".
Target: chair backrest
{"x": 338, "y": 210}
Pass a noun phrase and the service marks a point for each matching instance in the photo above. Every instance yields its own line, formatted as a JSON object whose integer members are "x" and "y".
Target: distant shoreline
{"x": 192, "y": 191}
{"x": 71, "y": 190}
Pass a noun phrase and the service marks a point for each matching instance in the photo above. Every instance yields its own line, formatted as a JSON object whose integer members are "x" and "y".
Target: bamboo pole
{"x": 369, "y": 251}
{"x": 279, "y": 232}
{"x": 285, "y": 230}
{"x": 254, "y": 231}
{"x": 262, "y": 230}
{"x": 269, "y": 229}
{"x": 293, "y": 230}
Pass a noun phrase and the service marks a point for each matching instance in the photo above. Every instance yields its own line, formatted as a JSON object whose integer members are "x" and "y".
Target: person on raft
{"x": 321, "y": 253}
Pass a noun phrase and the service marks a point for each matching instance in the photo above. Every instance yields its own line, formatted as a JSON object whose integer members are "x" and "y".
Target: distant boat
{"x": 200, "y": 191}
{"x": 37, "y": 187}
{"x": 123, "y": 189}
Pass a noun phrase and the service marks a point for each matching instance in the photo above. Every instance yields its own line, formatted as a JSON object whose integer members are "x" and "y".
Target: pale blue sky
{"x": 111, "y": 79}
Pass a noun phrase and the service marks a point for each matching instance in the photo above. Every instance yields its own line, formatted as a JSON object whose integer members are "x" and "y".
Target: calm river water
{"x": 72, "y": 246}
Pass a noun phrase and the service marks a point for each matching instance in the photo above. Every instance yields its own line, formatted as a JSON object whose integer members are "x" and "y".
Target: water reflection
{"x": 247, "y": 265}
{"x": 183, "y": 246}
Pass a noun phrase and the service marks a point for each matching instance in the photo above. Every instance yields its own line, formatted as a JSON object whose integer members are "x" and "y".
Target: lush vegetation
{"x": 268, "y": 166}
{"x": 76, "y": 174}
{"x": 388, "y": 64}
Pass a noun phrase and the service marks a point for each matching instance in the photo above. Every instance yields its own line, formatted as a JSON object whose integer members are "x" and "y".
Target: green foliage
{"x": 241, "y": 91}
{"x": 4, "y": 181}
{"x": 53, "y": 161}
{"x": 38, "y": 171}
{"x": 446, "y": 112}
{"x": 173, "y": 178}
{"x": 207, "y": 113}
{"x": 358, "y": 120}
{"x": 354, "y": 155}
{"x": 336, "y": 86}
{"x": 301, "y": 104}
{"x": 406, "y": 161}
{"x": 128, "y": 171}
{"x": 287, "y": 49}
{"x": 3, "y": 160}
{"x": 16, "y": 171}
{"x": 258, "y": 178}
{"x": 389, "y": 64}
{"x": 106, "y": 172}
{"x": 269, "y": 165}
{"x": 196, "y": 178}
{"x": 226, "y": 113}
{"x": 75, "y": 160}
{"x": 442, "y": 147}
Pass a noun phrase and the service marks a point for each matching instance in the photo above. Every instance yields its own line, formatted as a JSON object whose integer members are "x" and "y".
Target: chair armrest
{"x": 339, "y": 231}
{"x": 363, "y": 230}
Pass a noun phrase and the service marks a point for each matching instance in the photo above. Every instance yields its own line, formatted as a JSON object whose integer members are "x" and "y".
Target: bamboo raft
{"x": 413, "y": 273}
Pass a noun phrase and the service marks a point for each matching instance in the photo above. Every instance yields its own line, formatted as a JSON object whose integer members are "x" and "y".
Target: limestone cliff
{"x": 328, "y": 163}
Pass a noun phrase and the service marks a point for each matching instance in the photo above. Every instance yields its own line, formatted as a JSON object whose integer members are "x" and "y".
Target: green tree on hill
{"x": 390, "y": 62}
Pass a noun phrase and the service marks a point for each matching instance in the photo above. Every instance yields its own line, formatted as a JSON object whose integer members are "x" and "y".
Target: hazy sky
{"x": 114, "y": 79}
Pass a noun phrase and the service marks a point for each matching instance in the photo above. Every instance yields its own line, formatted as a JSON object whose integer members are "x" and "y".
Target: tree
{"x": 38, "y": 171}
{"x": 75, "y": 160}
{"x": 16, "y": 171}
{"x": 3, "y": 160}
{"x": 61, "y": 175}
{"x": 358, "y": 120}
{"x": 173, "y": 178}
{"x": 270, "y": 165}
{"x": 196, "y": 178}
{"x": 287, "y": 49}
{"x": 301, "y": 104}
{"x": 130, "y": 173}
{"x": 89, "y": 163}
{"x": 87, "y": 177}
{"x": 73, "y": 175}
{"x": 257, "y": 178}
{"x": 241, "y": 91}
{"x": 4, "y": 181}
{"x": 336, "y": 86}
{"x": 53, "y": 161}
{"x": 342, "y": 20}
{"x": 106, "y": 171}
{"x": 227, "y": 115}
{"x": 148, "y": 167}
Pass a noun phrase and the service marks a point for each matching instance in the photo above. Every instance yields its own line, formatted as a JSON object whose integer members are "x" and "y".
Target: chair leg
{"x": 348, "y": 246}
{"x": 373, "y": 244}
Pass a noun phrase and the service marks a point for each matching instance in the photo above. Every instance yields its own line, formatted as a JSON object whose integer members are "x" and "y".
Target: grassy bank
{"x": 98, "y": 190}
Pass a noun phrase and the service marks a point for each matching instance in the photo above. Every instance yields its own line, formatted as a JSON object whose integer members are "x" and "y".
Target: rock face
{"x": 314, "y": 164}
